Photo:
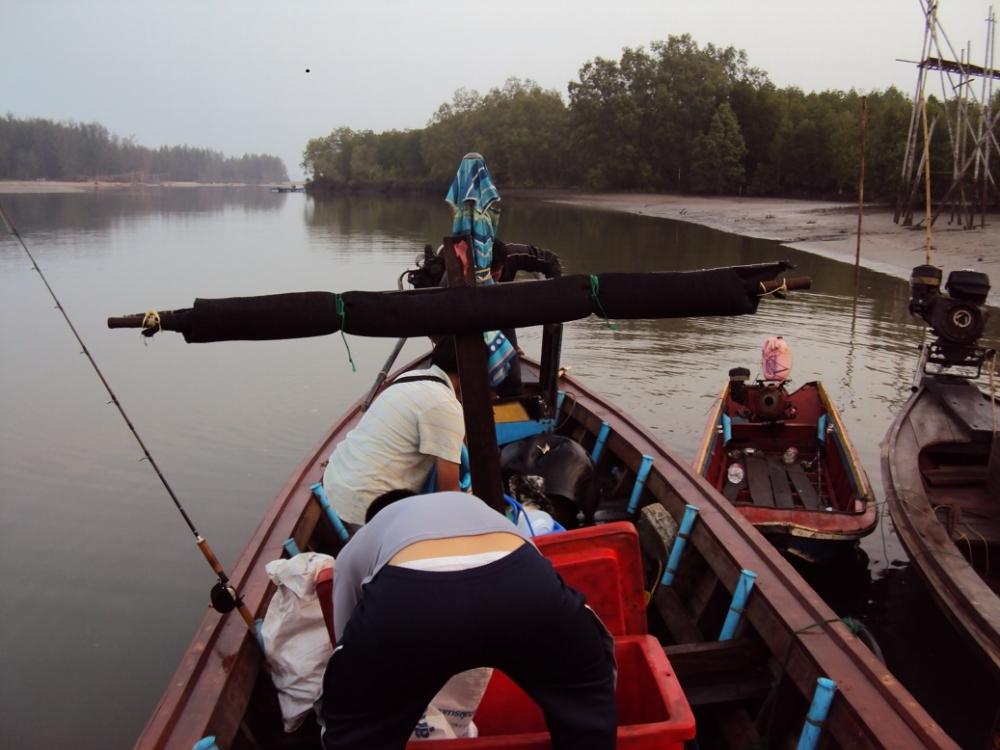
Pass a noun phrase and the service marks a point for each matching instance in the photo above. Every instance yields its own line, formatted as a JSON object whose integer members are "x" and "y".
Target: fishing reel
{"x": 956, "y": 318}
{"x": 224, "y": 598}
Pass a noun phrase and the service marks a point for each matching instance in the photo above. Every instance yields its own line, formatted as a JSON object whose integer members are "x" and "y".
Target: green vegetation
{"x": 675, "y": 117}
{"x": 35, "y": 148}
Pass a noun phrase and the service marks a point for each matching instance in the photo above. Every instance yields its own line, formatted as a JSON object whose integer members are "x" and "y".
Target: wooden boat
{"x": 941, "y": 460}
{"x": 752, "y": 687}
{"x": 785, "y": 461}
{"x": 943, "y": 491}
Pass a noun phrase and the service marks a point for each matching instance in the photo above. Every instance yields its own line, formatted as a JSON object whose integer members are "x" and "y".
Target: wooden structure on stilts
{"x": 970, "y": 118}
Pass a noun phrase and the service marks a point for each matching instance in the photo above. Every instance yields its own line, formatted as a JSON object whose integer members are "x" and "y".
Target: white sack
{"x": 296, "y": 642}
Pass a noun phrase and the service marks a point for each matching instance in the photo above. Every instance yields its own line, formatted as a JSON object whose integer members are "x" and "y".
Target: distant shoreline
{"x": 19, "y": 187}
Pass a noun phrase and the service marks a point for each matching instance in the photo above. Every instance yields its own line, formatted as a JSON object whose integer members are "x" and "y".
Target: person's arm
{"x": 442, "y": 431}
{"x": 447, "y": 475}
{"x": 346, "y": 587}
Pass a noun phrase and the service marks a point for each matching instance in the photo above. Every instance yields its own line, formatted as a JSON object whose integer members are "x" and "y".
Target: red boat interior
{"x": 782, "y": 464}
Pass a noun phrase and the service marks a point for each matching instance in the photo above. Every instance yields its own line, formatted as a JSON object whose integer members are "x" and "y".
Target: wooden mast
{"x": 473, "y": 372}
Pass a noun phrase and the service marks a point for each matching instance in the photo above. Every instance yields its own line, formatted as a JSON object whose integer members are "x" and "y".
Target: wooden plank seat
{"x": 804, "y": 487}
{"x": 770, "y": 483}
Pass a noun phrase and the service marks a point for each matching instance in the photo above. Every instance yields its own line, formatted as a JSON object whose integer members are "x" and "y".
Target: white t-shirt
{"x": 395, "y": 444}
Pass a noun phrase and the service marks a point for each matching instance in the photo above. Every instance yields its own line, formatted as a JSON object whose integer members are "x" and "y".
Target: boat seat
{"x": 770, "y": 482}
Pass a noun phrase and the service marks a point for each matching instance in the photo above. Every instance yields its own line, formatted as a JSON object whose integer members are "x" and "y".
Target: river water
{"x": 102, "y": 586}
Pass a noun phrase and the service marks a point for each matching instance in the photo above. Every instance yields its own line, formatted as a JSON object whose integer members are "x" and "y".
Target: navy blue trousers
{"x": 413, "y": 630}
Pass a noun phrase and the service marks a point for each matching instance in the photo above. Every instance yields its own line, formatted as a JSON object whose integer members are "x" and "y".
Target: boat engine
{"x": 566, "y": 472}
{"x": 738, "y": 377}
{"x": 429, "y": 271}
{"x": 956, "y": 318}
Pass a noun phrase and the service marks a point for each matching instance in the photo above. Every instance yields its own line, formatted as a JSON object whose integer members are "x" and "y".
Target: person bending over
{"x": 413, "y": 426}
{"x": 437, "y": 584}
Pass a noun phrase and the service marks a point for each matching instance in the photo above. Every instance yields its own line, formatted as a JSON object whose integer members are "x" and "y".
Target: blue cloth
{"x": 473, "y": 198}
{"x": 472, "y": 194}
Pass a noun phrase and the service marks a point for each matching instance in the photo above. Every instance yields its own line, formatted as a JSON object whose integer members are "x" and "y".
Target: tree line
{"x": 36, "y": 148}
{"x": 673, "y": 117}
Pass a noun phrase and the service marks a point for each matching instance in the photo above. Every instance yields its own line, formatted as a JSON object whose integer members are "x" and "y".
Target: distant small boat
{"x": 290, "y": 189}
{"x": 784, "y": 460}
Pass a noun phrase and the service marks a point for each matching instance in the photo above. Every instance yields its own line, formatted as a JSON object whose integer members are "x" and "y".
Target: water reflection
{"x": 99, "y": 210}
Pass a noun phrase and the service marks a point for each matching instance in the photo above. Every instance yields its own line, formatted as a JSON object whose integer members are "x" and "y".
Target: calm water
{"x": 102, "y": 585}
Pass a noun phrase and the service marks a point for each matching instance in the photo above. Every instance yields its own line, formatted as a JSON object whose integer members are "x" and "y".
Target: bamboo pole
{"x": 861, "y": 196}
{"x": 927, "y": 176}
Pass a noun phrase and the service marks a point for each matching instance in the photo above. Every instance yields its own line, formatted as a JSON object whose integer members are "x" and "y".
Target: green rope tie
{"x": 594, "y": 289}
{"x": 342, "y": 314}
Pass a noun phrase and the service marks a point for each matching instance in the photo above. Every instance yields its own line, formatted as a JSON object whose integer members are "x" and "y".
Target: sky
{"x": 232, "y": 76}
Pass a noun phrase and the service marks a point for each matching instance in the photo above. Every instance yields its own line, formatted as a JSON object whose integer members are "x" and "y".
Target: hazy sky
{"x": 232, "y": 75}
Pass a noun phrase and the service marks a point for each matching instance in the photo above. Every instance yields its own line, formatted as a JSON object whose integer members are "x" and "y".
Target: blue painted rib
{"x": 821, "y": 429}
{"x": 602, "y": 438}
{"x": 206, "y": 743}
{"x": 291, "y": 547}
{"x": 640, "y": 481}
{"x": 812, "y": 729}
{"x": 738, "y": 605}
{"x": 320, "y": 494}
{"x": 674, "y": 560}
{"x": 727, "y": 429}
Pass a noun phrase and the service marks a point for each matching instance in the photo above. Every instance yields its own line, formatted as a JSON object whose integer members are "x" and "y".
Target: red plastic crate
{"x": 605, "y": 564}
{"x": 652, "y": 711}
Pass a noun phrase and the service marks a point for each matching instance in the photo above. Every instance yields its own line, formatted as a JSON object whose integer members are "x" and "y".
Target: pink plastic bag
{"x": 776, "y": 360}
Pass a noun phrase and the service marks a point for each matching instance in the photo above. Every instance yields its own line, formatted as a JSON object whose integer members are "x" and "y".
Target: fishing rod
{"x": 223, "y": 596}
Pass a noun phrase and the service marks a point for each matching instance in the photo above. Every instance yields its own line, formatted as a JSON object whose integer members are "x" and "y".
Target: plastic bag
{"x": 433, "y": 725}
{"x": 460, "y": 697}
{"x": 296, "y": 643}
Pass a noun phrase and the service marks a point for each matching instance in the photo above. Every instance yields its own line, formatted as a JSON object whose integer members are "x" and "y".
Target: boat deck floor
{"x": 771, "y": 483}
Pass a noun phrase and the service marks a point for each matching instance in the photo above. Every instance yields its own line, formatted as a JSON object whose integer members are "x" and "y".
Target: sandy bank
{"x": 828, "y": 229}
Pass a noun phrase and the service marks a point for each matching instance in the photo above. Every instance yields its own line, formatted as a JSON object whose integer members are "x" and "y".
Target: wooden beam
{"x": 710, "y": 658}
{"x": 477, "y": 398}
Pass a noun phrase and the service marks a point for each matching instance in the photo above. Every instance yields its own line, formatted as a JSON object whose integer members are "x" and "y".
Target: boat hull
{"x": 788, "y": 640}
{"x": 935, "y": 459}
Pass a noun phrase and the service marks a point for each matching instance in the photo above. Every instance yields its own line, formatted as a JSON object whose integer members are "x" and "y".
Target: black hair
{"x": 445, "y": 356}
{"x": 384, "y": 500}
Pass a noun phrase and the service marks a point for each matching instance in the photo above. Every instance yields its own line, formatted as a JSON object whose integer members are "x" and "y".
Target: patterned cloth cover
{"x": 473, "y": 198}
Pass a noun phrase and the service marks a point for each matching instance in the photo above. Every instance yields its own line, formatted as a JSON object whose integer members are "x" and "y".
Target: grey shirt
{"x": 416, "y": 519}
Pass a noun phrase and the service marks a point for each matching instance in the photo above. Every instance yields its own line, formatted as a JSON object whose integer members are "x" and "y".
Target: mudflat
{"x": 824, "y": 228}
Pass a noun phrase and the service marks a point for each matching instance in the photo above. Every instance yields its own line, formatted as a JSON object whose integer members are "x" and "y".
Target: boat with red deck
{"x": 784, "y": 460}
